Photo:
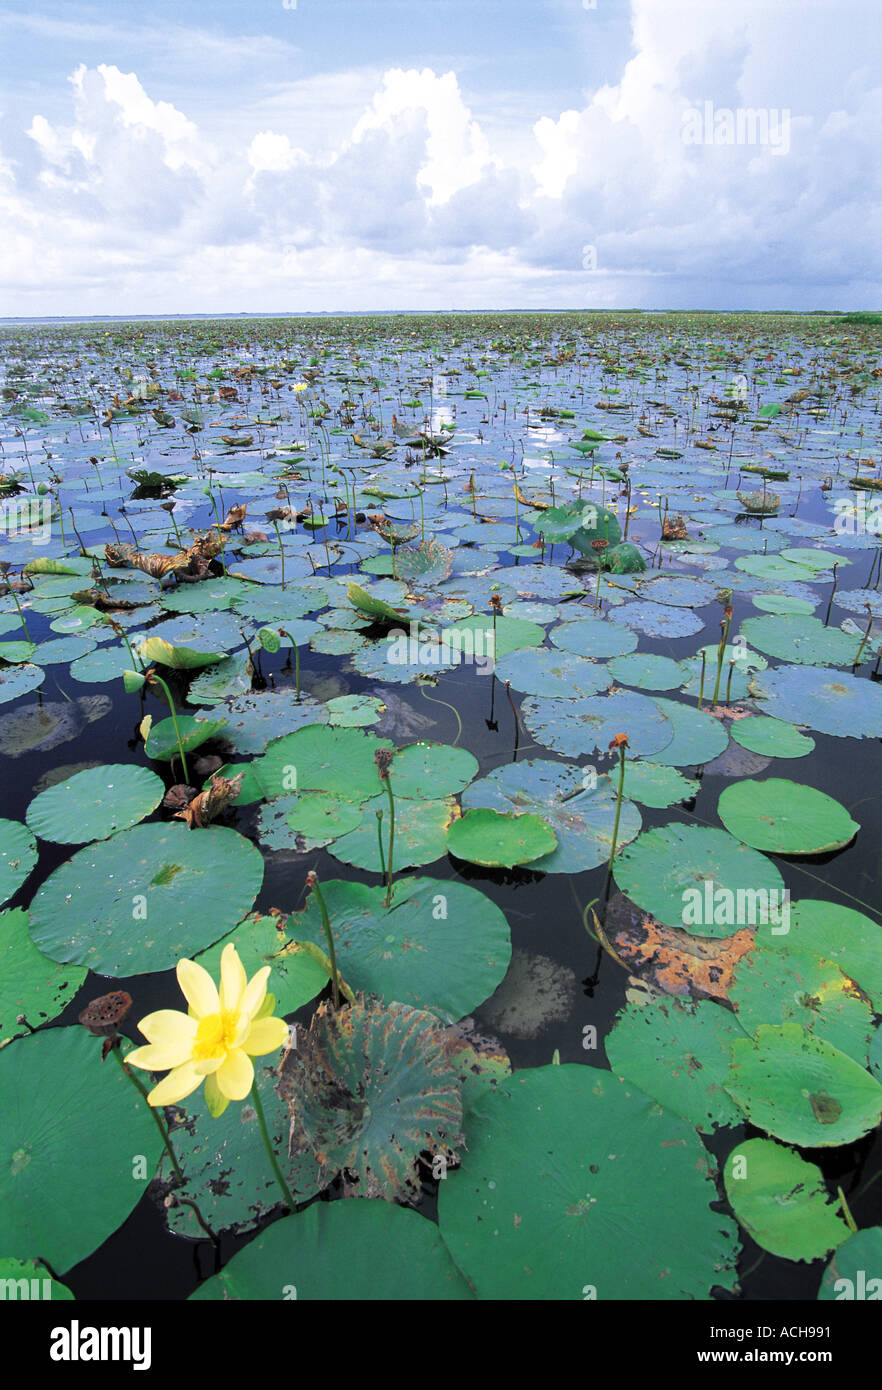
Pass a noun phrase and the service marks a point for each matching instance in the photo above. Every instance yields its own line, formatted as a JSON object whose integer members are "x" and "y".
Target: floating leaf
{"x": 499, "y": 839}
{"x": 781, "y": 1201}
{"x": 146, "y": 897}
{"x": 801, "y": 1089}
{"x": 94, "y": 804}
{"x": 18, "y": 855}
{"x": 783, "y": 817}
{"x": 31, "y": 985}
{"x": 574, "y": 1180}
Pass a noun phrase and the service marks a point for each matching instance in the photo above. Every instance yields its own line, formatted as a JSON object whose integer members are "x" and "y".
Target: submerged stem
{"x": 264, "y": 1133}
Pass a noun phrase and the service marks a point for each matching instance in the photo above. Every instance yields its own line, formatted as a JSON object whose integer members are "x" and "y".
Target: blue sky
{"x": 371, "y": 154}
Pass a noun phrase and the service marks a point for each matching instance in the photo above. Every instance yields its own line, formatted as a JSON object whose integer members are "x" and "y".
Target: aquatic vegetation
{"x": 477, "y": 744}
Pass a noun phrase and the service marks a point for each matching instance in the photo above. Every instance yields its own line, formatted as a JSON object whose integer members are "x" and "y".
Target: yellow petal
{"x": 233, "y": 979}
{"x": 168, "y": 1026}
{"x": 255, "y": 993}
{"x": 236, "y": 1076}
{"x": 198, "y": 987}
{"x": 266, "y": 1035}
{"x": 181, "y": 1082}
{"x": 159, "y": 1056}
{"x": 215, "y": 1099}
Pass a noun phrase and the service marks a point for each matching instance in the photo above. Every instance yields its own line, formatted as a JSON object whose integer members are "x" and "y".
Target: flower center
{"x": 215, "y": 1035}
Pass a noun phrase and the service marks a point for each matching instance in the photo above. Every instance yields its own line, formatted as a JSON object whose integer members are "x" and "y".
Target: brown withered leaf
{"x": 211, "y": 803}
{"x": 233, "y": 518}
{"x": 179, "y": 795}
{"x": 671, "y": 958}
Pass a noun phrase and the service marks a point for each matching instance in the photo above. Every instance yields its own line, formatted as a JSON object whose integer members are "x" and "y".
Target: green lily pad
{"x": 698, "y": 736}
{"x": 321, "y": 818}
{"x": 178, "y": 658}
{"x": 94, "y": 804}
{"x": 30, "y": 984}
{"x": 223, "y": 681}
{"x": 775, "y": 984}
{"x": 255, "y": 719}
{"x": 580, "y": 814}
{"x": 33, "y": 1281}
{"x": 548, "y": 671}
{"x": 850, "y": 939}
{"x": 322, "y": 758}
{"x": 667, "y": 872}
{"x": 18, "y": 855}
{"x": 497, "y": 839}
{"x": 145, "y": 898}
{"x": 422, "y": 770}
{"x": 576, "y": 1184}
{"x": 162, "y": 741}
{"x": 781, "y": 1201}
{"x": 822, "y": 698}
{"x": 678, "y": 1053}
{"x": 420, "y": 834}
{"x": 441, "y": 945}
{"x": 19, "y": 680}
{"x": 855, "y": 1271}
{"x": 577, "y": 727}
{"x": 774, "y": 738}
{"x": 783, "y": 817}
{"x": 801, "y": 1089}
{"x": 801, "y": 640}
{"x": 360, "y": 1249}
{"x": 594, "y": 637}
{"x": 657, "y": 785}
{"x": 646, "y": 671}
{"x": 55, "y": 1097}
{"x": 355, "y": 711}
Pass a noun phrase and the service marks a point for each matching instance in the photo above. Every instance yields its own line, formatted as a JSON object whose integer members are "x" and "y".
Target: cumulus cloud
{"x": 400, "y": 200}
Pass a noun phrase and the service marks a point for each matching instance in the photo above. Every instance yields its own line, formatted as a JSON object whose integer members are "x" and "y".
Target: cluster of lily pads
{"x": 402, "y": 616}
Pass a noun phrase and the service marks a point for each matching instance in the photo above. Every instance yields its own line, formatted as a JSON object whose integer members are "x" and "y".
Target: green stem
{"x": 615, "y": 834}
{"x": 281, "y": 550}
{"x": 261, "y": 1120}
{"x": 329, "y": 937}
{"x": 849, "y": 1219}
{"x": 388, "y": 786}
{"x": 720, "y": 654}
{"x": 171, "y": 705}
{"x": 701, "y": 686}
{"x": 139, "y": 1086}
{"x": 379, "y": 815}
{"x": 20, "y": 613}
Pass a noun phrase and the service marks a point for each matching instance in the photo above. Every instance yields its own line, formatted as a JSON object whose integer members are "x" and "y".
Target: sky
{"x": 342, "y": 155}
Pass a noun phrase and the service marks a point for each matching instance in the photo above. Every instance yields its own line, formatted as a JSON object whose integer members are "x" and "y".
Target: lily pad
{"x": 55, "y": 1097}
{"x": 19, "y": 680}
{"x": 441, "y": 945}
{"x": 362, "y": 1249}
{"x": 575, "y": 1183}
{"x": 497, "y": 839}
{"x": 31, "y": 985}
{"x": 141, "y": 900}
{"x": 676, "y": 872}
{"x": 679, "y": 1054}
{"x": 162, "y": 741}
{"x": 772, "y": 737}
{"x": 548, "y": 671}
{"x": 580, "y": 814}
{"x": 775, "y": 984}
{"x": 18, "y": 855}
{"x": 855, "y": 1271}
{"x": 698, "y": 736}
{"x": 801, "y": 640}
{"x": 801, "y": 1089}
{"x": 94, "y": 804}
{"x": 322, "y": 758}
{"x": 781, "y": 1201}
{"x": 576, "y": 727}
{"x": 255, "y": 719}
{"x": 420, "y": 834}
{"x": 783, "y": 817}
{"x": 830, "y": 701}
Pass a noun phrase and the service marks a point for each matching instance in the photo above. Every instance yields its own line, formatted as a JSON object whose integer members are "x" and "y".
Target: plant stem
{"x": 701, "y": 686}
{"x": 615, "y": 834}
{"x": 329, "y": 937}
{"x": 388, "y": 786}
{"x": 139, "y": 1086}
{"x": 274, "y": 1163}
{"x": 171, "y": 704}
{"x": 379, "y": 815}
{"x": 720, "y": 654}
{"x": 20, "y": 614}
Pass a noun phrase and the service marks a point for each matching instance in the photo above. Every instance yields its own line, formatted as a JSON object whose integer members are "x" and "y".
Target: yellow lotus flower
{"x": 300, "y": 386}
{"x": 216, "y": 1040}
